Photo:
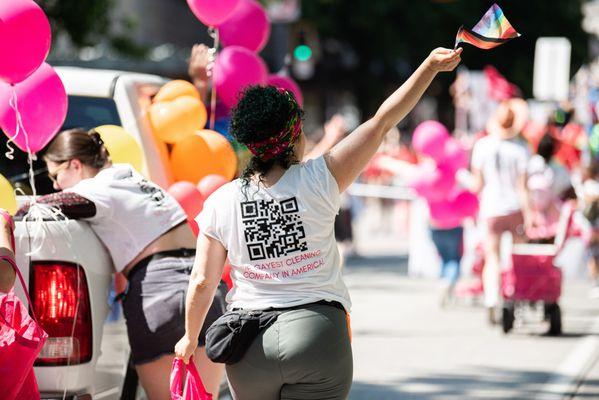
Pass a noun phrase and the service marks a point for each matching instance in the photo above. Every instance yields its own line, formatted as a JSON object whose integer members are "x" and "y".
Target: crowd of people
{"x": 523, "y": 173}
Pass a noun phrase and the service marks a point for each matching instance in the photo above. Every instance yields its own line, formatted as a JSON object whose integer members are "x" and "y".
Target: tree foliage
{"x": 84, "y": 21}
{"x": 391, "y": 37}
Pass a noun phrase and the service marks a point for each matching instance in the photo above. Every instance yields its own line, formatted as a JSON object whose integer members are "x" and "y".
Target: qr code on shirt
{"x": 272, "y": 229}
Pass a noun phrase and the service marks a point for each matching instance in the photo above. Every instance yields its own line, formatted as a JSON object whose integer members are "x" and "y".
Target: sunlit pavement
{"x": 407, "y": 347}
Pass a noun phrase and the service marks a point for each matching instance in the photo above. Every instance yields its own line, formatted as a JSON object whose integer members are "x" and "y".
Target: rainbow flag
{"x": 491, "y": 31}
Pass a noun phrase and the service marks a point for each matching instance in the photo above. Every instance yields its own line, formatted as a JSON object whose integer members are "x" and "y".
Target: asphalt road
{"x": 407, "y": 347}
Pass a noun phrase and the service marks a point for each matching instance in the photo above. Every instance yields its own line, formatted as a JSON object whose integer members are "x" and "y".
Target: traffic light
{"x": 302, "y": 52}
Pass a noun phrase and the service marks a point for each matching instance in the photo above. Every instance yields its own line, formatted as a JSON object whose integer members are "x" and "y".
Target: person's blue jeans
{"x": 449, "y": 244}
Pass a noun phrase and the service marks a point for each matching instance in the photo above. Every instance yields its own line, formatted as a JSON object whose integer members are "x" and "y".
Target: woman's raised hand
{"x": 442, "y": 59}
{"x": 198, "y": 62}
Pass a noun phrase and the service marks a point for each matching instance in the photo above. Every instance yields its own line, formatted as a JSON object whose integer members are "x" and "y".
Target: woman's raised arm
{"x": 347, "y": 159}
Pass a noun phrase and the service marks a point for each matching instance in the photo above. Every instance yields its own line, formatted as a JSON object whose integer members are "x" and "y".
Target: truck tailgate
{"x": 74, "y": 242}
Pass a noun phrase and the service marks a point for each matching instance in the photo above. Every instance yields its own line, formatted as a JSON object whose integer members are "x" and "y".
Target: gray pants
{"x": 306, "y": 354}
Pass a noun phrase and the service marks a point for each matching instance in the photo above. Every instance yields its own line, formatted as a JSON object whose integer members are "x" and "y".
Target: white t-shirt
{"x": 131, "y": 212}
{"x": 501, "y": 163}
{"x": 280, "y": 240}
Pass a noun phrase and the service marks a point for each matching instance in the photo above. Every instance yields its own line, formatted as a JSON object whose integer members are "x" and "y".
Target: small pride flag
{"x": 491, "y": 31}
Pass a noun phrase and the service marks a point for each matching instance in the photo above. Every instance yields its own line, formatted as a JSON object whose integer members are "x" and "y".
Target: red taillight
{"x": 61, "y": 304}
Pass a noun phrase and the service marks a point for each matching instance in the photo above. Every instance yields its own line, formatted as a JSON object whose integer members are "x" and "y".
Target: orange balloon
{"x": 223, "y": 151}
{"x": 177, "y": 119}
{"x": 203, "y": 154}
{"x": 174, "y": 89}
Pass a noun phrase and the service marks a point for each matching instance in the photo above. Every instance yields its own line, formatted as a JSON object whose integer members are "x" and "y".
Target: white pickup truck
{"x": 70, "y": 273}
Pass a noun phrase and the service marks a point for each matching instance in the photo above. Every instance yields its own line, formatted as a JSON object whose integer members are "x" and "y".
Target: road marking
{"x": 573, "y": 369}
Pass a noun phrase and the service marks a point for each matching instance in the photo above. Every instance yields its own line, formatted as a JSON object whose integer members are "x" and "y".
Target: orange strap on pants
{"x": 348, "y": 320}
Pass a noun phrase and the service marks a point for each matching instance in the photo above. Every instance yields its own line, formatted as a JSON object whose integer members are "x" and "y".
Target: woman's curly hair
{"x": 261, "y": 113}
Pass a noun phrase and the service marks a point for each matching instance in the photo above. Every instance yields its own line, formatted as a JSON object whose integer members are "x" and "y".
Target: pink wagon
{"x": 533, "y": 278}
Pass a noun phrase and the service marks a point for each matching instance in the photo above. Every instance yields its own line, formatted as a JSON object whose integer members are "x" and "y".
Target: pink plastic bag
{"x": 21, "y": 340}
{"x": 194, "y": 388}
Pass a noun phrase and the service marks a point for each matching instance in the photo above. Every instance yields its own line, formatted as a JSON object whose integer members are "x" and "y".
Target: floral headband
{"x": 273, "y": 146}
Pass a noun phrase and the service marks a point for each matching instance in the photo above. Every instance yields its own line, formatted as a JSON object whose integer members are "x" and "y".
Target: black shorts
{"x": 154, "y": 306}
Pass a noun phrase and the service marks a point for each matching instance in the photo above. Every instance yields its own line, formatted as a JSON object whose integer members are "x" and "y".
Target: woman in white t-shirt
{"x": 276, "y": 226}
{"x": 149, "y": 240}
{"x": 499, "y": 163}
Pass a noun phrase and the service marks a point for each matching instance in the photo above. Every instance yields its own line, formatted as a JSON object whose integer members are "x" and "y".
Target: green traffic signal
{"x": 302, "y": 52}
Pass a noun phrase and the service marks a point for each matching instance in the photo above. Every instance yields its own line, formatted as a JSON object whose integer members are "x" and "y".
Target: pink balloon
{"x": 41, "y": 101}
{"x": 194, "y": 226}
{"x": 210, "y": 183}
{"x": 466, "y": 204}
{"x": 248, "y": 26}
{"x": 429, "y": 139}
{"x": 455, "y": 155}
{"x": 236, "y": 68}
{"x": 452, "y": 210}
{"x": 443, "y": 215}
{"x": 432, "y": 182}
{"x": 25, "y": 39}
{"x": 286, "y": 82}
{"x": 212, "y": 12}
{"x": 188, "y": 196}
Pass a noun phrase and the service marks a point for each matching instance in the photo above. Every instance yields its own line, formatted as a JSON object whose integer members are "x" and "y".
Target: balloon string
{"x": 14, "y": 104}
{"x": 30, "y": 158}
{"x": 213, "y": 32}
{"x": 37, "y": 214}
